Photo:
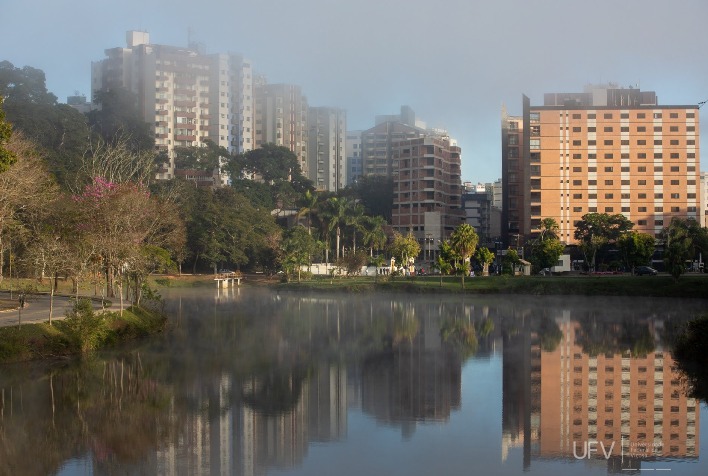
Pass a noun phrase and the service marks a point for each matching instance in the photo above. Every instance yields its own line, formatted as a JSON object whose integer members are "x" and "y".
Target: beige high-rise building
{"x": 186, "y": 95}
{"x": 281, "y": 118}
{"x": 327, "y": 148}
{"x": 606, "y": 150}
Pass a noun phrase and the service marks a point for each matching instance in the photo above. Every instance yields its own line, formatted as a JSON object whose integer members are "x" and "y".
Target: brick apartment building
{"x": 606, "y": 150}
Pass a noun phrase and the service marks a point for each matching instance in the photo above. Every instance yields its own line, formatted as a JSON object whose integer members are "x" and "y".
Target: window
{"x": 608, "y": 129}
{"x": 624, "y": 169}
{"x": 592, "y": 182}
{"x": 658, "y": 168}
{"x": 641, "y": 129}
{"x": 641, "y": 115}
{"x": 675, "y": 209}
{"x": 658, "y": 195}
{"x": 675, "y": 168}
{"x": 641, "y": 142}
{"x": 657, "y": 115}
{"x": 577, "y": 182}
{"x": 658, "y": 209}
{"x": 577, "y": 156}
{"x": 674, "y": 155}
{"x": 608, "y": 141}
{"x": 592, "y": 142}
{"x": 592, "y": 156}
{"x": 624, "y": 142}
{"x": 641, "y": 155}
{"x": 658, "y": 182}
{"x": 609, "y": 155}
{"x": 690, "y": 115}
{"x": 592, "y": 210}
{"x": 673, "y": 128}
{"x": 657, "y": 142}
{"x": 625, "y": 196}
{"x": 658, "y": 222}
{"x": 576, "y": 116}
{"x": 591, "y": 115}
{"x": 690, "y": 128}
{"x": 592, "y": 169}
{"x": 673, "y": 115}
{"x": 642, "y": 195}
{"x": 674, "y": 195}
{"x": 657, "y": 128}
{"x": 625, "y": 182}
{"x": 577, "y": 196}
{"x": 609, "y": 195}
{"x": 592, "y": 129}
{"x": 609, "y": 182}
{"x": 577, "y": 209}
{"x": 642, "y": 222}
{"x": 624, "y": 115}
{"x": 625, "y": 209}
{"x": 674, "y": 142}
{"x": 607, "y": 115}
{"x": 609, "y": 169}
{"x": 577, "y": 129}
{"x": 609, "y": 209}
{"x": 642, "y": 209}
{"x": 577, "y": 169}
{"x": 624, "y": 156}
{"x": 592, "y": 196}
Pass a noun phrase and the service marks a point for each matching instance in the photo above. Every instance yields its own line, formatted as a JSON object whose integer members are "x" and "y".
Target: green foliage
{"x": 7, "y": 158}
{"x": 549, "y": 334}
{"x": 353, "y": 262}
{"x": 596, "y": 230}
{"x": 85, "y": 327}
{"x": 691, "y": 357}
{"x": 119, "y": 114}
{"x": 375, "y": 193}
{"x": 464, "y": 241}
{"x": 485, "y": 257}
{"x": 545, "y": 253}
{"x": 636, "y": 248}
{"x": 298, "y": 246}
{"x": 683, "y": 240}
{"x": 404, "y": 248}
{"x": 510, "y": 261}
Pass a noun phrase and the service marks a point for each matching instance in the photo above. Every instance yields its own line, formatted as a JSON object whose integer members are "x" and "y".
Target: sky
{"x": 455, "y": 62}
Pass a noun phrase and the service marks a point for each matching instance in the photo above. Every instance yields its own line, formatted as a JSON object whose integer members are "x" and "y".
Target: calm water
{"x": 252, "y": 382}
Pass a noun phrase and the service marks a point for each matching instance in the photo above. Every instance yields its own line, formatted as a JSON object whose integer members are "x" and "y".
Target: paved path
{"x": 37, "y": 308}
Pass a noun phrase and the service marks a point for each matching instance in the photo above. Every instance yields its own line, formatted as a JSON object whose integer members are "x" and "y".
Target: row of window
{"x": 624, "y": 168}
{"x": 640, "y": 196}
{"x": 610, "y": 142}
{"x": 627, "y": 182}
{"x": 639, "y": 115}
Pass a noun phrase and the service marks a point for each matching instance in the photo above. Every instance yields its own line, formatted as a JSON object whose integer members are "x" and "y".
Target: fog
{"x": 455, "y": 62}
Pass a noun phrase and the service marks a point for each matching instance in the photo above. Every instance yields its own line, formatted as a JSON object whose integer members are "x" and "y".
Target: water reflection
{"x": 247, "y": 380}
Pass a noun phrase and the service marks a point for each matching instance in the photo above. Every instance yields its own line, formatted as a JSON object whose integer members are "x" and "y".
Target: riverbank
{"x": 66, "y": 338}
{"x": 688, "y": 286}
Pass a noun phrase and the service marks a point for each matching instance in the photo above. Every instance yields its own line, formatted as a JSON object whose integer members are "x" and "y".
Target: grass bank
{"x": 650, "y": 286}
{"x": 66, "y": 338}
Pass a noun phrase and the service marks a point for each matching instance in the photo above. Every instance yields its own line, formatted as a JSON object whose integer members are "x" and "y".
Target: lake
{"x": 251, "y": 381}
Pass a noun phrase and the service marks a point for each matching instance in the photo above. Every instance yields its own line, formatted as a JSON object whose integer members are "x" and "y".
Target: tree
{"x": 375, "y": 193}
{"x": 334, "y": 213}
{"x": 404, "y": 248}
{"x": 207, "y": 158}
{"x": 24, "y": 85}
{"x": 7, "y": 158}
{"x": 596, "y": 230}
{"x": 485, "y": 258}
{"x": 308, "y": 205}
{"x": 374, "y": 235}
{"x": 547, "y": 248}
{"x": 464, "y": 241}
{"x": 116, "y": 162}
{"x": 298, "y": 246}
{"x": 510, "y": 261}
{"x": 118, "y": 114}
{"x": 683, "y": 239}
{"x": 636, "y": 248}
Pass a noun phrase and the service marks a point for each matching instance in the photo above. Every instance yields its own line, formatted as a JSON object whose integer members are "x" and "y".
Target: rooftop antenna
{"x": 701, "y": 103}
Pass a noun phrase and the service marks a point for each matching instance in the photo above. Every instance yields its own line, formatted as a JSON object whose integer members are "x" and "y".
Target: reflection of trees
{"x": 549, "y": 334}
{"x": 691, "y": 356}
{"x": 274, "y": 393}
{"x": 598, "y": 335}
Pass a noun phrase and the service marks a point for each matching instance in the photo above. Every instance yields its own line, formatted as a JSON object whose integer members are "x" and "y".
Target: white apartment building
{"x": 327, "y": 148}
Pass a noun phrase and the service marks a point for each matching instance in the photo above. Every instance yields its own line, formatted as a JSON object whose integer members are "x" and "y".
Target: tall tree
{"x": 485, "y": 258}
{"x": 404, "y": 248}
{"x": 596, "y": 230}
{"x": 683, "y": 239}
{"x": 374, "y": 234}
{"x": 547, "y": 248}
{"x": 464, "y": 241}
{"x": 119, "y": 114}
{"x": 636, "y": 248}
{"x": 375, "y": 193}
{"x": 7, "y": 158}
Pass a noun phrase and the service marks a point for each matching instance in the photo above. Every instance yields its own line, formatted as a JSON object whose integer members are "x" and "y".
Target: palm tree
{"x": 464, "y": 241}
{"x": 374, "y": 235}
{"x": 354, "y": 218}
{"x": 309, "y": 204}
{"x": 549, "y": 229}
{"x": 334, "y": 213}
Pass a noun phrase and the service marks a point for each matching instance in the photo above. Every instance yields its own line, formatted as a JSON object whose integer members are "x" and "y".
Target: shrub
{"x": 85, "y": 328}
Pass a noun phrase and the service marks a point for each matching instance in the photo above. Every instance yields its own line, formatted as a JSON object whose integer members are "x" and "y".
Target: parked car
{"x": 648, "y": 270}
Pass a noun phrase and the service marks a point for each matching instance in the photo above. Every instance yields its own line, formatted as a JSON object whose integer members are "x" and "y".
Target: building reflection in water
{"x": 608, "y": 384}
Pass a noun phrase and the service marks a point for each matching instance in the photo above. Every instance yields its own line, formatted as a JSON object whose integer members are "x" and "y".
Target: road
{"x": 37, "y": 309}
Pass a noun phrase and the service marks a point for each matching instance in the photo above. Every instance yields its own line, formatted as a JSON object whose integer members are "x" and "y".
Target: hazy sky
{"x": 455, "y": 62}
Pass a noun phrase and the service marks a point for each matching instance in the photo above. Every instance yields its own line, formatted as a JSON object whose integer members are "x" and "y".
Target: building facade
{"x": 477, "y": 206}
{"x": 354, "y": 160}
{"x": 426, "y": 187}
{"x": 607, "y": 150}
{"x": 281, "y": 119}
{"x": 327, "y": 148}
{"x": 185, "y": 94}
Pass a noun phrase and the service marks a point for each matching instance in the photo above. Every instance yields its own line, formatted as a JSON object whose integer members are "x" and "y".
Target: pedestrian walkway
{"x": 36, "y": 308}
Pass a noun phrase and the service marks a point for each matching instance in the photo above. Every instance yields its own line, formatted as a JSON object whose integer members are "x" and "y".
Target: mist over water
{"x": 250, "y": 381}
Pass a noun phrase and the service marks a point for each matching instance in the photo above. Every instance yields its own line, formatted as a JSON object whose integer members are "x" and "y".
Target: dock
{"x": 224, "y": 280}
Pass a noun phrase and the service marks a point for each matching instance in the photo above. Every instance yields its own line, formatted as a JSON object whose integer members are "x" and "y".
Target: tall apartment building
{"x": 281, "y": 118}
{"x": 185, "y": 94}
{"x": 426, "y": 187}
{"x": 354, "y": 160}
{"x": 327, "y": 148}
{"x": 704, "y": 199}
{"x": 606, "y": 150}
{"x": 377, "y": 146}
{"x": 477, "y": 206}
